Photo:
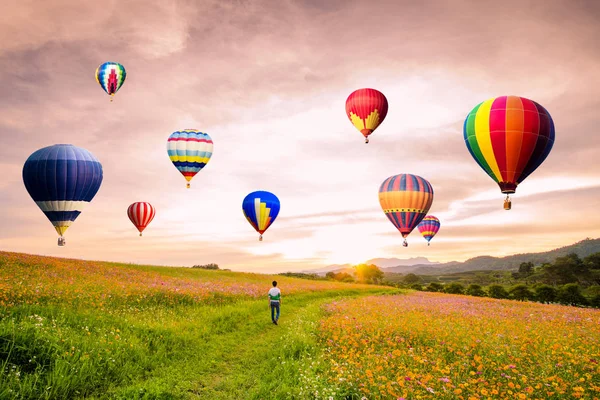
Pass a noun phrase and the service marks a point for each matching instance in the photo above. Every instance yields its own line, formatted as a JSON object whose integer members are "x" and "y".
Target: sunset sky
{"x": 268, "y": 81}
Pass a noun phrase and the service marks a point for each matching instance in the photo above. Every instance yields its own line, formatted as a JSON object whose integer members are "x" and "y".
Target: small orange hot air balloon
{"x": 366, "y": 109}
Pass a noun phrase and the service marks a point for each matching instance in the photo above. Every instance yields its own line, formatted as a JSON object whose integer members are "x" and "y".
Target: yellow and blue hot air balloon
{"x": 405, "y": 200}
{"x": 260, "y": 209}
{"x": 111, "y": 76}
{"x": 189, "y": 150}
{"x": 62, "y": 179}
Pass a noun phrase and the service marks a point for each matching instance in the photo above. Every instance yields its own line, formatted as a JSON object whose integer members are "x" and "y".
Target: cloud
{"x": 269, "y": 85}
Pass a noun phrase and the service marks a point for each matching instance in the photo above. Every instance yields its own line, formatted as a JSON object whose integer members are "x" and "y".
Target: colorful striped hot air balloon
{"x": 260, "y": 209}
{"x": 405, "y": 200}
{"x": 111, "y": 76}
{"x": 509, "y": 137}
{"x": 366, "y": 109}
{"x": 428, "y": 227}
{"x": 189, "y": 150}
{"x": 141, "y": 214}
{"x": 62, "y": 179}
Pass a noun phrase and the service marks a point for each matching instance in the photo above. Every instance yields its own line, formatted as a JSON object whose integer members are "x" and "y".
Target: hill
{"x": 74, "y": 329}
{"x": 398, "y": 263}
{"x": 487, "y": 263}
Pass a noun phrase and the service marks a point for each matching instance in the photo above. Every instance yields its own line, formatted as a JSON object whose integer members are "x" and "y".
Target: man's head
{"x": 274, "y": 283}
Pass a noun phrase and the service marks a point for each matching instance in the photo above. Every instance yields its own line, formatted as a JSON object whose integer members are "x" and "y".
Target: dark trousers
{"x": 274, "y": 306}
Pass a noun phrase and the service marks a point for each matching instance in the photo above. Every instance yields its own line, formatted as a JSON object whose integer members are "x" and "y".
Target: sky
{"x": 268, "y": 81}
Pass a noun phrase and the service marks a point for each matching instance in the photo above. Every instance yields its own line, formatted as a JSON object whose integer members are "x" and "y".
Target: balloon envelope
{"x": 189, "y": 150}
{"x": 62, "y": 179}
{"x": 405, "y": 200}
{"x": 260, "y": 209}
{"x": 366, "y": 109}
{"x": 428, "y": 227}
{"x": 509, "y": 137}
{"x": 111, "y": 76}
{"x": 141, "y": 214}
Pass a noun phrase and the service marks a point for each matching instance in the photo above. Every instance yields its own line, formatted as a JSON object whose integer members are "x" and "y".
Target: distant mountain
{"x": 487, "y": 263}
{"x": 383, "y": 263}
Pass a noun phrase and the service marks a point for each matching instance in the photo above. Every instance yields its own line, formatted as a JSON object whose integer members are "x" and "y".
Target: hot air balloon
{"x": 509, "y": 137}
{"x": 141, "y": 214}
{"x": 405, "y": 200}
{"x": 62, "y": 179}
{"x": 428, "y": 227}
{"x": 260, "y": 209}
{"x": 110, "y": 76}
{"x": 189, "y": 150}
{"x": 366, "y": 109}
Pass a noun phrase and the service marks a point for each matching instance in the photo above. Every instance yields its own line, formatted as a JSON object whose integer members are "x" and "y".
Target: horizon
{"x": 269, "y": 86}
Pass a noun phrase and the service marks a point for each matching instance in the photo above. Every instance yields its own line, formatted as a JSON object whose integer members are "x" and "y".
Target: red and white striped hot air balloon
{"x": 141, "y": 214}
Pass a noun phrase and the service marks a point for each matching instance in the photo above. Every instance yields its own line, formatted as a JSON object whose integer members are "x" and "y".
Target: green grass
{"x": 140, "y": 348}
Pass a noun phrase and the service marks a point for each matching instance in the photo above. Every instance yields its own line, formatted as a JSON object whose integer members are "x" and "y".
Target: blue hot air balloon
{"x": 260, "y": 209}
{"x": 62, "y": 179}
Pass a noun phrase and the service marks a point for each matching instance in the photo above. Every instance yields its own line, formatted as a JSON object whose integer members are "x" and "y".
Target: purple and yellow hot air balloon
{"x": 428, "y": 227}
{"x": 509, "y": 137}
{"x": 366, "y": 109}
{"x": 111, "y": 76}
{"x": 405, "y": 200}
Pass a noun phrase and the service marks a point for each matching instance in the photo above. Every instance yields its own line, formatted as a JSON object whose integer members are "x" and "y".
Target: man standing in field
{"x": 274, "y": 301}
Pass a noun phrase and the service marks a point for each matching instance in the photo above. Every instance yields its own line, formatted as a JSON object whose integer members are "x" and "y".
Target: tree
{"x": 545, "y": 294}
{"x": 520, "y": 292}
{"x": 497, "y": 292}
{"x": 409, "y": 279}
{"x": 368, "y": 273}
{"x": 454, "y": 288}
{"x": 416, "y": 286}
{"x": 475, "y": 290}
{"x": 207, "y": 266}
{"x": 592, "y": 261}
{"x": 526, "y": 269}
{"x": 570, "y": 294}
{"x": 434, "y": 287}
{"x": 340, "y": 276}
{"x": 595, "y": 302}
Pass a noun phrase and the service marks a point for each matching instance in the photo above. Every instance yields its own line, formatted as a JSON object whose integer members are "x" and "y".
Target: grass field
{"x": 80, "y": 329}
{"x": 75, "y": 329}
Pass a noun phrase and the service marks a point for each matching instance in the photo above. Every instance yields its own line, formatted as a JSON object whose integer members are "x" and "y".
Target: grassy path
{"x": 233, "y": 351}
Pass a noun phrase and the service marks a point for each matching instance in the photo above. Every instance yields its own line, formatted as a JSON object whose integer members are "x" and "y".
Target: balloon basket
{"x": 366, "y": 140}
{"x": 61, "y": 241}
{"x": 188, "y": 185}
{"x": 140, "y": 233}
{"x": 405, "y": 243}
{"x": 507, "y": 203}
{"x": 260, "y": 238}
{"x": 428, "y": 243}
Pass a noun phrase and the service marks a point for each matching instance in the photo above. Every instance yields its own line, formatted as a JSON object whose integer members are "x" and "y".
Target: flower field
{"x": 439, "y": 346}
{"x": 29, "y": 280}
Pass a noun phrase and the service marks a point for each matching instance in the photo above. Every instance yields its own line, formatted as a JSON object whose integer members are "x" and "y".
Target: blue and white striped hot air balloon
{"x": 62, "y": 179}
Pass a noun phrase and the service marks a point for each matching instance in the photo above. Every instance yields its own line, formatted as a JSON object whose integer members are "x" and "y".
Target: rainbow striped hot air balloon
{"x": 141, "y": 213}
{"x": 189, "y": 150}
{"x": 405, "y": 200}
{"x": 366, "y": 109}
{"x": 260, "y": 209}
{"x": 428, "y": 227}
{"x": 509, "y": 137}
{"x": 62, "y": 179}
{"x": 111, "y": 76}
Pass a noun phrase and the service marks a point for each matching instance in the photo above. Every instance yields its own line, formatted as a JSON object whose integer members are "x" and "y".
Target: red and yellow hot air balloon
{"x": 405, "y": 200}
{"x": 141, "y": 214}
{"x": 366, "y": 109}
{"x": 509, "y": 137}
